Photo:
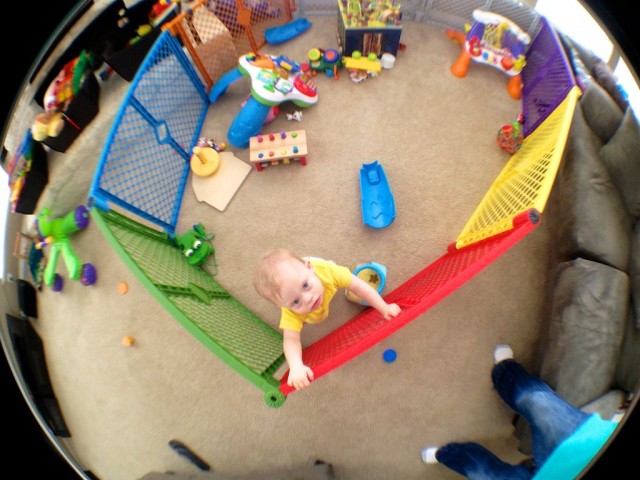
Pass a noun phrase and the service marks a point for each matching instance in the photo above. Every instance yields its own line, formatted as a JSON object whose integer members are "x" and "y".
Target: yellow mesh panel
{"x": 527, "y": 178}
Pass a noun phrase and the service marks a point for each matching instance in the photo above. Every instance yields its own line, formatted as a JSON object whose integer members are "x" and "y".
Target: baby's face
{"x": 300, "y": 288}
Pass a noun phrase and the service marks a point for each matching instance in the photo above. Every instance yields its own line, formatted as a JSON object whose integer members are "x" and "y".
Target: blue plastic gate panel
{"x": 145, "y": 162}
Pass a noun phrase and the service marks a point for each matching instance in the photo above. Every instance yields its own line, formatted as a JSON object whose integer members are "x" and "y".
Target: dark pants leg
{"x": 552, "y": 419}
{"x": 477, "y": 463}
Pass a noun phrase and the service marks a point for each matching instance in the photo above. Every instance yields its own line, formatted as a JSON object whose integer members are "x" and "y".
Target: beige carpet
{"x": 435, "y": 135}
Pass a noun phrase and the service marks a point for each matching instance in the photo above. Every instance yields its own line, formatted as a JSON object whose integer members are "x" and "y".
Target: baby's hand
{"x": 300, "y": 377}
{"x": 391, "y": 310}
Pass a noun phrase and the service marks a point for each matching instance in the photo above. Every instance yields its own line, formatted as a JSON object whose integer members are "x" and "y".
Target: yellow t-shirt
{"x": 333, "y": 277}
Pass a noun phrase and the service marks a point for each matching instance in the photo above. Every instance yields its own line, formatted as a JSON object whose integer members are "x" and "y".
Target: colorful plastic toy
{"x": 273, "y": 112}
{"x": 197, "y": 246}
{"x": 280, "y": 148}
{"x": 510, "y": 136}
{"x": 211, "y": 143}
{"x": 59, "y": 94}
{"x": 56, "y": 232}
{"x": 493, "y": 40}
{"x": 273, "y": 80}
{"x": 328, "y": 61}
{"x": 205, "y": 161}
{"x": 374, "y": 273}
{"x": 378, "y": 205}
{"x": 356, "y": 61}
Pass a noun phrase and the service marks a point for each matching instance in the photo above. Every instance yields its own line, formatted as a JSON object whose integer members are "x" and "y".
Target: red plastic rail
{"x": 415, "y": 297}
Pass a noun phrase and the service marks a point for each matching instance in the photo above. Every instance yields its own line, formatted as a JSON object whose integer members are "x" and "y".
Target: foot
{"x": 502, "y": 352}
{"x": 429, "y": 455}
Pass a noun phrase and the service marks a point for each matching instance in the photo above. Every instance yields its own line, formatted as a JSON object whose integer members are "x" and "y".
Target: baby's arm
{"x": 366, "y": 292}
{"x": 300, "y": 376}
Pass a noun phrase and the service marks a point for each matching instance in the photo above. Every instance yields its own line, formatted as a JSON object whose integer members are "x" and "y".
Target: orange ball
{"x": 123, "y": 288}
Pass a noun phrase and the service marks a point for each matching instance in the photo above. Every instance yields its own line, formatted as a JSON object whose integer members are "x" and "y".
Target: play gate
{"x": 142, "y": 176}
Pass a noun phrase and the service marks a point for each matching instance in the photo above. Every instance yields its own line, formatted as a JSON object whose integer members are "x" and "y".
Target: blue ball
{"x": 389, "y": 355}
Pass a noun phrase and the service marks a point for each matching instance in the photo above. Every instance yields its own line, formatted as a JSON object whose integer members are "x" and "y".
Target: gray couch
{"x": 589, "y": 351}
{"x": 593, "y": 342}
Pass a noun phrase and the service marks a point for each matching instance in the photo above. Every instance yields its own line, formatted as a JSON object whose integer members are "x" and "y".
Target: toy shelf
{"x": 376, "y": 31}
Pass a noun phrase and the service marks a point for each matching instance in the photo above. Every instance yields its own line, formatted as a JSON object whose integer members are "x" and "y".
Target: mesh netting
{"x": 547, "y": 77}
{"x": 204, "y": 307}
{"x": 209, "y": 43}
{"x": 145, "y": 162}
{"x": 526, "y": 180}
{"x": 145, "y": 165}
{"x": 415, "y": 296}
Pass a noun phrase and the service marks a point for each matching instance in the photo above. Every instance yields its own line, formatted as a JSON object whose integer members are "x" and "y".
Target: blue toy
{"x": 273, "y": 80}
{"x": 389, "y": 355}
{"x": 373, "y": 273}
{"x": 283, "y": 33}
{"x": 223, "y": 83}
{"x": 248, "y": 123}
{"x": 378, "y": 205}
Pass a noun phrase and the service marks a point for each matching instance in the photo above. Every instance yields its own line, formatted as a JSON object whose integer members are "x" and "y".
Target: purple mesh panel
{"x": 547, "y": 77}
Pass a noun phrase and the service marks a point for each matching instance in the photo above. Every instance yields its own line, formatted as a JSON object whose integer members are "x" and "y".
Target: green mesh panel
{"x": 227, "y": 321}
{"x": 231, "y": 331}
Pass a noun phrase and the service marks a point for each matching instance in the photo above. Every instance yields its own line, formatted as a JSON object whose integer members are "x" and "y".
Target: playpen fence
{"x": 145, "y": 163}
{"x": 455, "y": 14}
{"x": 526, "y": 180}
{"x": 547, "y": 77}
{"x": 247, "y": 21}
{"x": 209, "y": 43}
{"x": 415, "y": 297}
{"x": 144, "y": 169}
{"x": 200, "y": 304}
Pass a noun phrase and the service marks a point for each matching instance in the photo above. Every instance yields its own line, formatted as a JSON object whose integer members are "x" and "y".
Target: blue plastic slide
{"x": 248, "y": 123}
{"x": 223, "y": 83}
{"x": 283, "y": 33}
{"x": 378, "y": 206}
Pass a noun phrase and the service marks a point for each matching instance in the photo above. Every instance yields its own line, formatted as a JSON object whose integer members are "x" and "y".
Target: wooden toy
{"x": 219, "y": 188}
{"x": 278, "y": 148}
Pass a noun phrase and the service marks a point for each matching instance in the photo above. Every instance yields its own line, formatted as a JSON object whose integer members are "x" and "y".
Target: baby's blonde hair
{"x": 266, "y": 280}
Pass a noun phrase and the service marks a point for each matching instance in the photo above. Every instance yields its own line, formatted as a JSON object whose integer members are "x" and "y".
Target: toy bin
{"x": 80, "y": 112}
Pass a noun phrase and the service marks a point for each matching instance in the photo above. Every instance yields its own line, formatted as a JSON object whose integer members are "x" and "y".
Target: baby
{"x": 303, "y": 288}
